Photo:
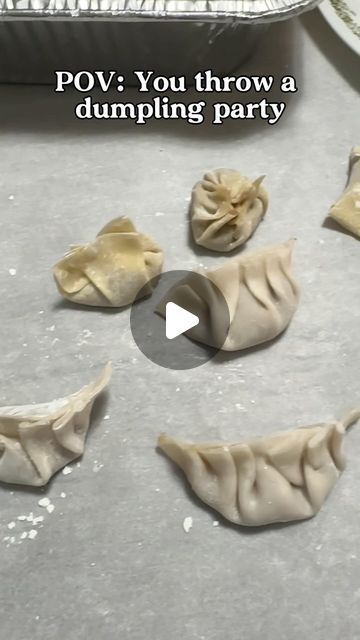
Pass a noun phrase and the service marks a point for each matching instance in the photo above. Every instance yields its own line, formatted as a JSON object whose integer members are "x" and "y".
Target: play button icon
{"x": 178, "y": 320}
{"x": 165, "y": 331}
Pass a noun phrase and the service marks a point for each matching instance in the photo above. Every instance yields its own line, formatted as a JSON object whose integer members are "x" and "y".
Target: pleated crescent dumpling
{"x": 279, "y": 478}
{"x": 346, "y": 211}
{"x": 260, "y": 292}
{"x": 38, "y": 440}
{"x": 110, "y": 271}
{"x": 226, "y": 208}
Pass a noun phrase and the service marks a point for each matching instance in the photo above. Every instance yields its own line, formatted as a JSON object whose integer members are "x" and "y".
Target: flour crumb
{"x": 319, "y": 547}
{"x": 50, "y": 508}
{"x": 12, "y": 272}
{"x": 11, "y": 197}
{"x": 44, "y": 502}
{"x": 11, "y": 525}
{"x": 157, "y": 490}
{"x": 52, "y": 328}
{"x": 187, "y": 524}
{"x": 22, "y": 518}
{"x": 92, "y": 564}
{"x": 30, "y": 517}
{"x": 39, "y": 519}
{"x": 216, "y": 523}
{"x": 32, "y": 534}
{"x": 177, "y": 389}
{"x": 159, "y": 213}
{"x": 63, "y": 494}
{"x": 107, "y": 417}
{"x": 97, "y": 466}
{"x": 24, "y": 535}
{"x": 66, "y": 471}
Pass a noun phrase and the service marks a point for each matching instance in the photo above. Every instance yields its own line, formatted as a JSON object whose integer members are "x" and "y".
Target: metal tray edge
{"x": 282, "y": 13}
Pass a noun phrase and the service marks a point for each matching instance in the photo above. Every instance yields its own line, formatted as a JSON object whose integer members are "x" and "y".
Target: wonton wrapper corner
{"x": 346, "y": 211}
{"x": 280, "y": 478}
{"x": 110, "y": 271}
{"x": 226, "y": 208}
{"x": 260, "y": 292}
{"x": 38, "y": 440}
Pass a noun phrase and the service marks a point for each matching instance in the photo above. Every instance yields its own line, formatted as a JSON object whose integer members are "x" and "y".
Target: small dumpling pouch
{"x": 110, "y": 271}
{"x": 346, "y": 211}
{"x": 226, "y": 208}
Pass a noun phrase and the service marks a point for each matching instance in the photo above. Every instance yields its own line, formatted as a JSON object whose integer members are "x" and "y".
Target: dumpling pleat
{"x": 283, "y": 477}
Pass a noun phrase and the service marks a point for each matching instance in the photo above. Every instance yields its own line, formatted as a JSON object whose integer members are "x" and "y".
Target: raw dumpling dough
{"x": 226, "y": 208}
{"x": 110, "y": 271}
{"x": 283, "y": 477}
{"x": 38, "y": 440}
{"x": 260, "y": 292}
{"x": 346, "y": 211}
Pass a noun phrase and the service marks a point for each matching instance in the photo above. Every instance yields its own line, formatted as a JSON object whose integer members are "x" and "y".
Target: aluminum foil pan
{"x": 170, "y": 37}
{"x": 200, "y": 10}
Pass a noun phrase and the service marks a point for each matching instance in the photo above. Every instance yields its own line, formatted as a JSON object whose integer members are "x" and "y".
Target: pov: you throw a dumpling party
{"x": 204, "y": 97}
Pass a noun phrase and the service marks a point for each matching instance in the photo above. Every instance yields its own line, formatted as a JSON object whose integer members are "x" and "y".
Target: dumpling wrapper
{"x": 279, "y": 478}
{"x": 226, "y": 208}
{"x": 260, "y": 292}
{"x": 346, "y": 211}
{"x": 110, "y": 271}
{"x": 38, "y": 440}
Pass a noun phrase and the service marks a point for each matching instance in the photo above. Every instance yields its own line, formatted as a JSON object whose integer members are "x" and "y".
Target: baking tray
{"x": 178, "y": 37}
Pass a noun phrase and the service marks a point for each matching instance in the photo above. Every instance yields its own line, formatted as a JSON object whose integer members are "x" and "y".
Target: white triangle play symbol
{"x": 178, "y": 320}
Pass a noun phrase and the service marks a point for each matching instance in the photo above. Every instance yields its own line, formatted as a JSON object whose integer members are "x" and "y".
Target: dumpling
{"x": 110, "y": 271}
{"x": 38, "y": 440}
{"x": 283, "y": 477}
{"x": 226, "y": 208}
{"x": 260, "y": 292}
{"x": 346, "y": 211}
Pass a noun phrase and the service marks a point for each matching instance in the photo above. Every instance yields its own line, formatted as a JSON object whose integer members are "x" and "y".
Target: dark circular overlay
{"x": 194, "y": 293}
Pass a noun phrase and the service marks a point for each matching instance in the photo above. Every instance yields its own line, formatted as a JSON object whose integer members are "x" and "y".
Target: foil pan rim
{"x": 260, "y": 11}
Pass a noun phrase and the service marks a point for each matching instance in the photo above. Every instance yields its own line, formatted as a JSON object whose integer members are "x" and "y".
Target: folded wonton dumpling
{"x": 110, "y": 271}
{"x": 226, "y": 208}
{"x": 346, "y": 211}
{"x": 260, "y": 292}
{"x": 38, "y": 440}
{"x": 279, "y": 478}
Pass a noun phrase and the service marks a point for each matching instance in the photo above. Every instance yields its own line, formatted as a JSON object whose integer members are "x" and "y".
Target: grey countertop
{"x": 112, "y": 560}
